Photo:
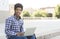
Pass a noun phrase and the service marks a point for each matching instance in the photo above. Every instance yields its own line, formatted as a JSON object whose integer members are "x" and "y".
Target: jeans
{"x": 17, "y": 37}
{"x": 23, "y": 37}
{"x": 31, "y": 37}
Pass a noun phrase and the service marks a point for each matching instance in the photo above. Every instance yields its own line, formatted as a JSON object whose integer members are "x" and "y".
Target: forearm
{"x": 8, "y": 32}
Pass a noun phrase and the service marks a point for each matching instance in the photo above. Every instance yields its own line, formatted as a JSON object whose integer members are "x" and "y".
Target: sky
{"x": 29, "y": 3}
{"x": 4, "y": 5}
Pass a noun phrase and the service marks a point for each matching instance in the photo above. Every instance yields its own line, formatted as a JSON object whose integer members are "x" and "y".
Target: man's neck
{"x": 17, "y": 17}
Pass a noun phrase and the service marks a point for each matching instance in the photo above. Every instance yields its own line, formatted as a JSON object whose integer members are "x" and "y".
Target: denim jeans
{"x": 17, "y": 37}
{"x": 23, "y": 37}
{"x": 31, "y": 36}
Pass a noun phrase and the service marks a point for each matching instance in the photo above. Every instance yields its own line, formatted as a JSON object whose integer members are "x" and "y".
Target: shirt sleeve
{"x": 22, "y": 27}
{"x": 8, "y": 27}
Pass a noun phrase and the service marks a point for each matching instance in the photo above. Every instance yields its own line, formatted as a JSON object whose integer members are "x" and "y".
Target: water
{"x": 43, "y": 27}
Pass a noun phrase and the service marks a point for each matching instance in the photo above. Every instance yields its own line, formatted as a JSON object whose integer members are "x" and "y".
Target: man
{"x": 14, "y": 24}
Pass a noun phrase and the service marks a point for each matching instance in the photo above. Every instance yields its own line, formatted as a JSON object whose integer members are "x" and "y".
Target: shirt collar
{"x": 16, "y": 17}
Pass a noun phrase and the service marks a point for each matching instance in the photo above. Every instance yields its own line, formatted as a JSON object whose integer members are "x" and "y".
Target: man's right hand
{"x": 20, "y": 34}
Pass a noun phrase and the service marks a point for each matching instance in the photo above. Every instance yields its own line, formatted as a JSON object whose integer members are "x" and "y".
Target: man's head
{"x": 18, "y": 9}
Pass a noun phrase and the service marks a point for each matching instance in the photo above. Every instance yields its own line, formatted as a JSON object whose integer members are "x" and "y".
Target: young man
{"x": 14, "y": 24}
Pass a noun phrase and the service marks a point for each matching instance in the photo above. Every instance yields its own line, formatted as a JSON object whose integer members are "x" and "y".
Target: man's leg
{"x": 17, "y": 37}
{"x": 21, "y": 37}
{"x": 31, "y": 37}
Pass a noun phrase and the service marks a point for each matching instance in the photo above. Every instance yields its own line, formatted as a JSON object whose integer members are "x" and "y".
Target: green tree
{"x": 40, "y": 13}
{"x": 57, "y": 11}
{"x": 49, "y": 14}
{"x": 26, "y": 14}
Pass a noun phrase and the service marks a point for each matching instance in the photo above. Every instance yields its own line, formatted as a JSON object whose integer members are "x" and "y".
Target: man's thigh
{"x": 17, "y": 37}
{"x": 31, "y": 37}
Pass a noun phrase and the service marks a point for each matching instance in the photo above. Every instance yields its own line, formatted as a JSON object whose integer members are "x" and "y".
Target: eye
{"x": 19, "y": 9}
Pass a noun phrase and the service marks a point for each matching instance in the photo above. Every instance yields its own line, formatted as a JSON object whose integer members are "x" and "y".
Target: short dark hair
{"x": 18, "y": 5}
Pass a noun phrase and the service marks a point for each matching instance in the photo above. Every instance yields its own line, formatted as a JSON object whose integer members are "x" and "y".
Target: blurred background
{"x": 44, "y": 15}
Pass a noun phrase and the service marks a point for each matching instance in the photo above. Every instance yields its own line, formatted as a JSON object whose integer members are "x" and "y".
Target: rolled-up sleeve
{"x": 8, "y": 24}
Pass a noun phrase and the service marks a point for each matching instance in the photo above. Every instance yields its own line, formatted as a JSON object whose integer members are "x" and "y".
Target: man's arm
{"x": 8, "y": 27}
{"x": 22, "y": 28}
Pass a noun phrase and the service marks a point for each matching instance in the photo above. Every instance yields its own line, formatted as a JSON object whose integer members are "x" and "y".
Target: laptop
{"x": 29, "y": 31}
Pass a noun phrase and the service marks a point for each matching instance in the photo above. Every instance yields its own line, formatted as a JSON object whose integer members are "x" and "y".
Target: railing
{"x": 41, "y": 18}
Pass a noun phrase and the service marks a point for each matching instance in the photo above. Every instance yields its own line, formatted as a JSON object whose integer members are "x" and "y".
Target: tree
{"x": 26, "y": 14}
{"x": 57, "y": 11}
{"x": 40, "y": 13}
{"x": 49, "y": 15}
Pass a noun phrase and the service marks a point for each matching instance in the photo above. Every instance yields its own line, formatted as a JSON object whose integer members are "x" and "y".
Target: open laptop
{"x": 29, "y": 31}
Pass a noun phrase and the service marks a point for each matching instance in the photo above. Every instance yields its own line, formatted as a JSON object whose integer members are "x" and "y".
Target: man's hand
{"x": 20, "y": 34}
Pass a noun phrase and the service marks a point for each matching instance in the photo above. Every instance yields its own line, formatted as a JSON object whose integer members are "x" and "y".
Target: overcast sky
{"x": 4, "y": 4}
